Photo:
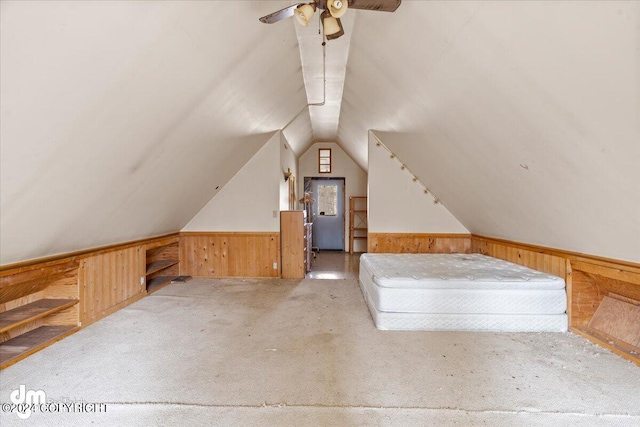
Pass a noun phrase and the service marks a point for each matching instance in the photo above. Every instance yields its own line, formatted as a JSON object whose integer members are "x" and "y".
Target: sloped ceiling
{"x": 467, "y": 92}
{"x": 324, "y": 71}
{"x": 119, "y": 119}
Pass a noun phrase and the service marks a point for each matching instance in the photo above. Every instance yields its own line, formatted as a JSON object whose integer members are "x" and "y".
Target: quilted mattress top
{"x": 453, "y": 271}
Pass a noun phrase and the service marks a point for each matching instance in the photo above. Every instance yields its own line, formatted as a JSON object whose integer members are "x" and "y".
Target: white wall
{"x": 288, "y": 161}
{"x": 397, "y": 204}
{"x": 342, "y": 166}
{"x": 250, "y": 199}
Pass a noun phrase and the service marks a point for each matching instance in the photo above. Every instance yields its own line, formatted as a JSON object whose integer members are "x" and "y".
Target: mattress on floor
{"x": 466, "y": 322}
{"x": 460, "y": 292}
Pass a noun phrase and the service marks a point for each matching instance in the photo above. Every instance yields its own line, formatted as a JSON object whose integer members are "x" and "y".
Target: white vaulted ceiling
{"x": 118, "y": 119}
{"x": 324, "y": 118}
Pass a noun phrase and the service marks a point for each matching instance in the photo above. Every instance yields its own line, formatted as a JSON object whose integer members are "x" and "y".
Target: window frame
{"x": 320, "y": 156}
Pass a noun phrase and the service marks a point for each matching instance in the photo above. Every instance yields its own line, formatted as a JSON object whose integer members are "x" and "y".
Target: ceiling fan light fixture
{"x": 337, "y": 8}
{"x": 332, "y": 26}
{"x": 304, "y": 13}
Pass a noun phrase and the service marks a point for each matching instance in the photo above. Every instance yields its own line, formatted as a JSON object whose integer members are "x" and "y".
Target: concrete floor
{"x": 284, "y": 352}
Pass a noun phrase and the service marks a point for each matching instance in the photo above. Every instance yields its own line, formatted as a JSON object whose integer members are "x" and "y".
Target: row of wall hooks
{"x": 414, "y": 177}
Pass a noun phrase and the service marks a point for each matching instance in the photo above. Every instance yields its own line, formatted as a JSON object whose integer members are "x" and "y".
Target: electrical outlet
{"x": 141, "y": 280}
{"x": 275, "y": 265}
{"x": 275, "y": 214}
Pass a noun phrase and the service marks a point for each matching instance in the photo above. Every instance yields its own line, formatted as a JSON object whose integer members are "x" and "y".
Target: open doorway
{"x": 327, "y": 212}
{"x": 333, "y": 265}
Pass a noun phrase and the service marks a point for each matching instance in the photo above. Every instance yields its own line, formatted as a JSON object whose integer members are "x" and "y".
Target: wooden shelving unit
{"x": 358, "y": 226}
{"x": 163, "y": 264}
{"x": 37, "y": 308}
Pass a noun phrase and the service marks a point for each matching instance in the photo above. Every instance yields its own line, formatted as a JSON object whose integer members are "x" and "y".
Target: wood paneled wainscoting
{"x": 526, "y": 255}
{"x": 603, "y": 295}
{"x": 416, "y": 243}
{"x": 230, "y": 254}
{"x": 108, "y": 281}
{"x": 42, "y": 301}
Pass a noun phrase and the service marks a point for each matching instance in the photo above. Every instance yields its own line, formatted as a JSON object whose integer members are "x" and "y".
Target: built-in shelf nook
{"x": 38, "y": 307}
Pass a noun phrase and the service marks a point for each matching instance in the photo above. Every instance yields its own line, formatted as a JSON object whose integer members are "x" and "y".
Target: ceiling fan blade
{"x": 379, "y": 5}
{"x": 285, "y": 13}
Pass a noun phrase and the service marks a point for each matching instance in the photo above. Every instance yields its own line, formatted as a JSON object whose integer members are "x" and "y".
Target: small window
{"x": 324, "y": 160}
{"x": 327, "y": 200}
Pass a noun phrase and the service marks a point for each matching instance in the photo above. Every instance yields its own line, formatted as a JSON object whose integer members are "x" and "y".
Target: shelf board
{"x": 158, "y": 283}
{"x": 28, "y": 343}
{"x": 360, "y": 229}
{"x": 29, "y": 312}
{"x": 359, "y": 210}
{"x": 359, "y": 237}
{"x": 164, "y": 242}
{"x": 156, "y": 266}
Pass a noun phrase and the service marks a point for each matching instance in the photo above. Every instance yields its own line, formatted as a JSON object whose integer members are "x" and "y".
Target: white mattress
{"x": 460, "y": 292}
{"x": 454, "y": 271}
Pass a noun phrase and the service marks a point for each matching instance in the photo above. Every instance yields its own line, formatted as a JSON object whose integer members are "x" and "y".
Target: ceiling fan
{"x": 333, "y": 11}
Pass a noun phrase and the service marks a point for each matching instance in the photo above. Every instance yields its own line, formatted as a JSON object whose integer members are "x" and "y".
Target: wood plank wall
{"x": 110, "y": 281}
{"x": 589, "y": 279}
{"x": 107, "y": 279}
{"x": 418, "y": 243}
{"x": 528, "y": 256}
{"x": 103, "y": 279}
{"x": 230, "y": 254}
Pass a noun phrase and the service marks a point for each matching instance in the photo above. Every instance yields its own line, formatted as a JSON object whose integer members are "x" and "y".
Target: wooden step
{"x": 28, "y": 343}
{"x": 29, "y": 312}
{"x": 156, "y": 266}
